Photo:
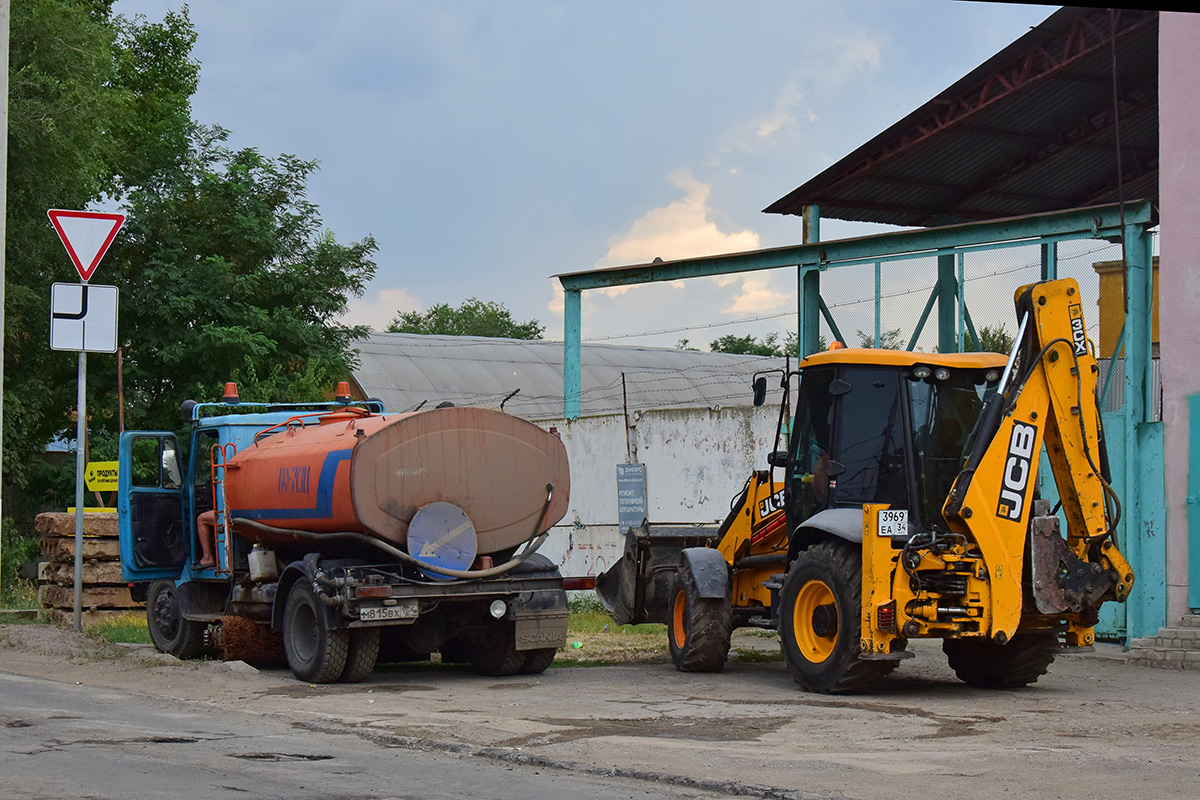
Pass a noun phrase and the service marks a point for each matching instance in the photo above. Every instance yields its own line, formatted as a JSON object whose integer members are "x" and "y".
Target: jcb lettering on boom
{"x": 1077, "y": 331}
{"x": 1016, "y": 471}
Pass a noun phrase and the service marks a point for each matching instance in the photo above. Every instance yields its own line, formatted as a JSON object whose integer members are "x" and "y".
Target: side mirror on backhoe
{"x": 777, "y": 458}
{"x": 760, "y": 390}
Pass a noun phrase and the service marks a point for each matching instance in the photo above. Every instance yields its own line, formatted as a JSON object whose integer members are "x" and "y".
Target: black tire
{"x": 316, "y": 652}
{"x": 698, "y": 628}
{"x": 537, "y": 661}
{"x": 495, "y": 652}
{"x": 169, "y": 631}
{"x": 361, "y": 655}
{"x": 983, "y": 664}
{"x": 820, "y": 622}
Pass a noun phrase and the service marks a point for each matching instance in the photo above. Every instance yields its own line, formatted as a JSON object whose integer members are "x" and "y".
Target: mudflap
{"x": 536, "y": 633}
{"x": 637, "y": 588}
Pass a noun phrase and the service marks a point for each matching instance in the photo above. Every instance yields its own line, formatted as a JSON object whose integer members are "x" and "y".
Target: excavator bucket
{"x": 637, "y": 588}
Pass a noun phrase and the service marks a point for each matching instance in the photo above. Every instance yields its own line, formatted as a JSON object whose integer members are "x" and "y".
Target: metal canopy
{"x": 1030, "y": 130}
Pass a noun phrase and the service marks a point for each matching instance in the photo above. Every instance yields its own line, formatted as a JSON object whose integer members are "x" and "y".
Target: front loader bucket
{"x": 637, "y": 588}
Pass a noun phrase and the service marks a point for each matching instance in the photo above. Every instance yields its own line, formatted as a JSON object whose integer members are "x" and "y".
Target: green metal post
{"x": 810, "y": 311}
{"x": 1050, "y": 261}
{"x": 960, "y": 339}
{"x": 947, "y": 294}
{"x": 837, "y": 333}
{"x": 878, "y": 301}
{"x": 572, "y": 353}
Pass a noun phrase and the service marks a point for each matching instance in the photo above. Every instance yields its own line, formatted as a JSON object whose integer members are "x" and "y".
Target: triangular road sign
{"x": 86, "y": 235}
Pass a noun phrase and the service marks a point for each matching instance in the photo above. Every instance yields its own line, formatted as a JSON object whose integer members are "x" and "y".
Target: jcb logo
{"x": 771, "y": 504}
{"x": 1016, "y": 471}
{"x": 1077, "y": 331}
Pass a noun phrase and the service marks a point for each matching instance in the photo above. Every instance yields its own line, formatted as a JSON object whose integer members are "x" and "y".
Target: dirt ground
{"x": 1095, "y": 726}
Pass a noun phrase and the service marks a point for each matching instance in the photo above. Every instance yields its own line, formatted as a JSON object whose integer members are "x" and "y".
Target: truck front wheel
{"x": 169, "y": 631}
{"x": 316, "y": 651}
{"x": 821, "y": 619}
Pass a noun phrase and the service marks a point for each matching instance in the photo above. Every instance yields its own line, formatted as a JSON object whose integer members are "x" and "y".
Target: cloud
{"x": 680, "y": 230}
{"x": 379, "y": 313}
{"x": 758, "y": 296}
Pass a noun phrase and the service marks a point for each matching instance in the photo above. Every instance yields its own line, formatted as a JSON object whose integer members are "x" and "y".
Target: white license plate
{"x": 405, "y": 610}
{"x": 893, "y": 522}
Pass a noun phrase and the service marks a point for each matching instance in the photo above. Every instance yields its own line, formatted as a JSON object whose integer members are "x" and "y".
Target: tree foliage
{"x": 769, "y": 345}
{"x": 229, "y": 276}
{"x": 473, "y": 317}
{"x": 224, "y": 269}
{"x": 888, "y": 340}
{"x": 992, "y": 339}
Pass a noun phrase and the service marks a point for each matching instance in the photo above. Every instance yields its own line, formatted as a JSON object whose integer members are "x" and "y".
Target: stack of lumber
{"x": 104, "y": 594}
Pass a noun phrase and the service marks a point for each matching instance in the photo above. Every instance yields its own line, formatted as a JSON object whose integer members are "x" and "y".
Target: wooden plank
{"x": 62, "y": 549}
{"x": 59, "y": 523}
{"x": 52, "y": 596}
{"x": 94, "y": 572}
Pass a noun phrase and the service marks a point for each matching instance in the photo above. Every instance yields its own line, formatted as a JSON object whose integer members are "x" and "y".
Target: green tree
{"x": 229, "y": 275}
{"x": 993, "y": 339}
{"x": 473, "y": 317}
{"x": 97, "y": 104}
{"x": 888, "y": 340}
{"x": 769, "y": 345}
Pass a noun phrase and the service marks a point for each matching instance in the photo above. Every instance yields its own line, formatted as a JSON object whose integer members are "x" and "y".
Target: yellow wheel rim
{"x": 678, "y": 631}
{"x": 812, "y": 596}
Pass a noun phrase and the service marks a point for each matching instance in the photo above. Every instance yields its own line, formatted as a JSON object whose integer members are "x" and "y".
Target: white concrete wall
{"x": 696, "y": 461}
{"x": 1179, "y": 274}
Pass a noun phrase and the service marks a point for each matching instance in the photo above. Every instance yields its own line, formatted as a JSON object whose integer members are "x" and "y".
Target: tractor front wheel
{"x": 984, "y": 664}
{"x": 698, "y": 628}
{"x": 821, "y": 621}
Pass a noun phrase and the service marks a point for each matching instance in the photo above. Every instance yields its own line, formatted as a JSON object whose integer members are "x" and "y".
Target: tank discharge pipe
{"x": 529, "y": 549}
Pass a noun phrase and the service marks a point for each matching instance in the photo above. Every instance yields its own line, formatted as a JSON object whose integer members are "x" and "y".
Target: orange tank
{"x": 352, "y": 471}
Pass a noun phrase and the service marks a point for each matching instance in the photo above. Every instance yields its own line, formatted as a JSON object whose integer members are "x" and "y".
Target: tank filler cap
{"x": 231, "y": 394}
{"x": 443, "y": 535}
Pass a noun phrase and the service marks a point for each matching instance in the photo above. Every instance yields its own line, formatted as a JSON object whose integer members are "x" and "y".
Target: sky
{"x": 489, "y": 146}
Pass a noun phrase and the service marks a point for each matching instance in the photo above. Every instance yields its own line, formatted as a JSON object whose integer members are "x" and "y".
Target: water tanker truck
{"x": 354, "y": 533}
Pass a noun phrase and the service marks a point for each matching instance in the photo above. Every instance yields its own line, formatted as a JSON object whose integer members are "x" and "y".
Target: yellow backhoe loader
{"x": 906, "y": 510}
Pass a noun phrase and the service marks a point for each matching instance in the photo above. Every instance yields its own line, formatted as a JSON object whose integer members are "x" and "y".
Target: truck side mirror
{"x": 779, "y": 458}
{"x": 760, "y": 391}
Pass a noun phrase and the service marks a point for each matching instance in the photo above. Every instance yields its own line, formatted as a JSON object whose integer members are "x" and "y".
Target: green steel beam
{"x": 837, "y": 334}
{"x": 947, "y": 293}
{"x": 933, "y": 296}
{"x": 1050, "y": 261}
{"x": 1099, "y": 221}
{"x": 810, "y": 311}
{"x": 572, "y": 353}
{"x": 878, "y": 301}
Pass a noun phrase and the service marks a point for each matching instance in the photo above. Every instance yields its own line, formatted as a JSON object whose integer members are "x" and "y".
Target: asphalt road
{"x": 74, "y": 741}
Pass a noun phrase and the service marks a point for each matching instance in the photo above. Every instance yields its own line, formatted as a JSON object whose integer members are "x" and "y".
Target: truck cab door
{"x": 155, "y": 539}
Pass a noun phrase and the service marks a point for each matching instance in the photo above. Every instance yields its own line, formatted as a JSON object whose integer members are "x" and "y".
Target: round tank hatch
{"x": 441, "y": 534}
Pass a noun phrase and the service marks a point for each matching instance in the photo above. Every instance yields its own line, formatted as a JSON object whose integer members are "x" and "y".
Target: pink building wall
{"x": 1179, "y": 275}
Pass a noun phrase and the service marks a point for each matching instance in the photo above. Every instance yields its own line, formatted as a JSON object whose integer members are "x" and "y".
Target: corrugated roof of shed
{"x": 404, "y": 370}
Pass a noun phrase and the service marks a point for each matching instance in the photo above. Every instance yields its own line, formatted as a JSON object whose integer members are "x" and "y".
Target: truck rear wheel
{"x": 538, "y": 661}
{"x": 821, "y": 621}
{"x": 495, "y": 651}
{"x": 169, "y": 631}
{"x": 316, "y": 651}
{"x": 984, "y": 664}
{"x": 698, "y": 628}
{"x": 361, "y": 655}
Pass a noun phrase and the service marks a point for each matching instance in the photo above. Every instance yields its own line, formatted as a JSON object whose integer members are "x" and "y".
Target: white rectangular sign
{"x": 893, "y": 522}
{"x": 83, "y": 318}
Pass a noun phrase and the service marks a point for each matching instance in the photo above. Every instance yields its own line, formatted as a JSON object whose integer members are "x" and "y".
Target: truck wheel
{"x": 983, "y": 664}
{"x": 538, "y": 661}
{"x": 821, "y": 621}
{"x": 361, "y": 655}
{"x": 315, "y": 651}
{"x": 495, "y": 651}
{"x": 698, "y": 628}
{"x": 170, "y": 632}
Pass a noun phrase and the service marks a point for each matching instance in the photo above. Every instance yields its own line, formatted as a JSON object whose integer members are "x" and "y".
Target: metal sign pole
{"x": 80, "y": 433}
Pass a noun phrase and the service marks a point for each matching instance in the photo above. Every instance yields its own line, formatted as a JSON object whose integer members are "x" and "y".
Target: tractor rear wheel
{"x": 698, "y": 628}
{"x": 984, "y": 664}
{"x": 361, "y": 655}
{"x": 316, "y": 651}
{"x": 820, "y": 621}
{"x": 169, "y": 630}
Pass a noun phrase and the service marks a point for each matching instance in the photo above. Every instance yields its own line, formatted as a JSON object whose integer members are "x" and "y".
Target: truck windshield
{"x": 943, "y": 414}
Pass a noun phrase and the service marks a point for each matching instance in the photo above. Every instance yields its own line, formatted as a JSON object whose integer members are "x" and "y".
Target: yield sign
{"x": 86, "y": 235}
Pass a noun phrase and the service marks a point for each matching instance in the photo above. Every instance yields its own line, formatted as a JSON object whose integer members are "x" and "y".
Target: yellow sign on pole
{"x": 101, "y": 476}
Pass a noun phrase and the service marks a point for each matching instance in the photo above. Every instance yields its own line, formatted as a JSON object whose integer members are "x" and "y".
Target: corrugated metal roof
{"x": 405, "y": 370}
{"x": 1028, "y": 131}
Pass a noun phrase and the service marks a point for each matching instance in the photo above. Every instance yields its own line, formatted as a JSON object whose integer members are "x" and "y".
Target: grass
{"x": 124, "y": 629}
